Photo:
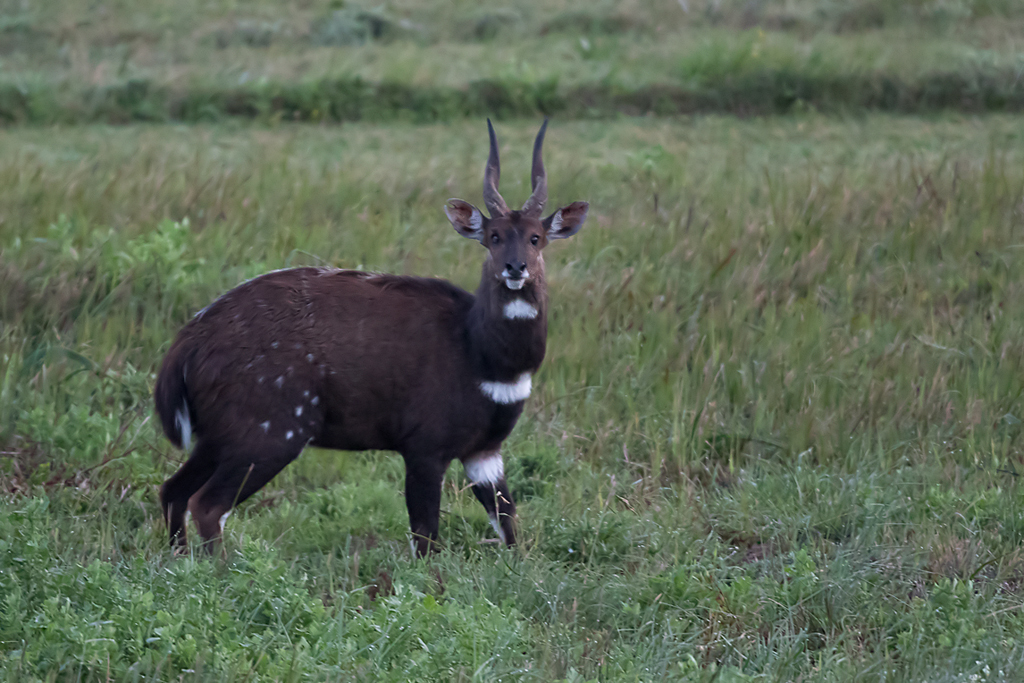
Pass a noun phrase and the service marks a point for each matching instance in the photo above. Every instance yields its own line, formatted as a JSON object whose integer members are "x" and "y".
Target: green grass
{"x": 74, "y": 62}
{"x": 776, "y": 437}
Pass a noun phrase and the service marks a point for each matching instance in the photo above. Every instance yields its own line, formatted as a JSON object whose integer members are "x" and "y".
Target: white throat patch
{"x": 487, "y": 468}
{"x": 517, "y": 309}
{"x": 508, "y": 392}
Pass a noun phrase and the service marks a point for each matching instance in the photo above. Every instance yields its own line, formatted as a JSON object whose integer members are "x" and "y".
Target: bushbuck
{"x": 354, "y": 360}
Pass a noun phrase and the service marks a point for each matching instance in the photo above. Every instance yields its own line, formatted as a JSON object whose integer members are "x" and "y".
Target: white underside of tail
{"x": 181, "y": 419}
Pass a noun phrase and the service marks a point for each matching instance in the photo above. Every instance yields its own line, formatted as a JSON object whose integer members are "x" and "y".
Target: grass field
{"x": 777, "y": 435}
{"x": 79, "y": 61}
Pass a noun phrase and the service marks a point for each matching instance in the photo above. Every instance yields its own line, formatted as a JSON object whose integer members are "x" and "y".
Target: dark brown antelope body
{"x": 351, "y": 360}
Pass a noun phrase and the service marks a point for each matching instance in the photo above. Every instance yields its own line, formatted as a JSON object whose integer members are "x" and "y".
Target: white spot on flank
{"x": 298, "y": 411}
{"x": 497, "y": 527}
{"x": 517, "y": 309}
{"x": 288, "y": 436}
{"x": 316, "y": 400}
{"x": 265, "y": 425}
{"x": 259, "y": 380}
{"x": 279, "y": 382}
{"x": 508, "y": 392}
{"x": 273, "y": 345}
{"x": 184, "y": 424}
{"x": 487, "y": 468}
{"x": 305, "y": 394}
{"x": 309, "y": 357}
{"x": 224, "y": 518}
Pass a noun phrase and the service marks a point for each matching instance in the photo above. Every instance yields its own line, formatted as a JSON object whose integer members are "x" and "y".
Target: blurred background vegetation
{"x": 310, "y": 60}
{"x": 778, "y": 432}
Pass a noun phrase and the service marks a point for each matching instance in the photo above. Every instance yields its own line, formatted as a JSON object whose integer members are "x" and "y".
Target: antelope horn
{"x": 492, "y": 198}
{"x": 538, "y": 178}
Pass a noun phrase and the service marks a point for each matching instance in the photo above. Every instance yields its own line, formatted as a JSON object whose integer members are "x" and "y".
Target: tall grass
{"x": 777, "y": 433}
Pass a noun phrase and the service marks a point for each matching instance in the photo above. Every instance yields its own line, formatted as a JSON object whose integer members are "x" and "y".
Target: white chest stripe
{"x": 518, "y": 309}
{"x": 485, "y": 469}
{"x": 508, "y": 392}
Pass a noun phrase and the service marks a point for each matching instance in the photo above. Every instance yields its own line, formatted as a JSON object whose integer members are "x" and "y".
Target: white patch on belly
{"x": 497, "y": 527}
{"x": 224, "y": 518}
{"x": 517, "y": 309}
{"x": 487, "y": 468}
{"x": 184, "y": 424}
{"x": 508, "y": 392}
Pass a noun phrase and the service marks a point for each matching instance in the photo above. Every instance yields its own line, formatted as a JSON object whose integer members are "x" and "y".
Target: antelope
{"x": 353, "y": 360}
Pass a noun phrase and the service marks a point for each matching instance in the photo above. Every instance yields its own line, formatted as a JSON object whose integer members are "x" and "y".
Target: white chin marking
{"x": 508, "y": 392}
{"x": 497, "y": 527}
{"x": 517, "y": 309}
{"x": 485, "y": 469}
{"x": 224, "y": 518}
{"x": 515, "y": 284}
{"x": 184, "y": 424}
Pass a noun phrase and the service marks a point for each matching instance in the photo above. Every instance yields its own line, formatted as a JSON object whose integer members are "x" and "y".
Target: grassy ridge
{"x": 754, "y": 92}
{"x": 777, "y": 432}
{"x": 316, "y": 61}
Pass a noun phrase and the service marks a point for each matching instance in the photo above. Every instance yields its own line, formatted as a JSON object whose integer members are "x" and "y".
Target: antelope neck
{"x": 508, "y": 341}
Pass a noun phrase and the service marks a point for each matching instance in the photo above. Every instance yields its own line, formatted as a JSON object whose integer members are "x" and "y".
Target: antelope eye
{"x": 534, "y": 240}
{"x": 495, "y": 239}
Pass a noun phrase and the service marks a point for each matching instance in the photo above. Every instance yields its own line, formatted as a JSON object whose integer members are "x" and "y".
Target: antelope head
{"x": 514, "y": 239}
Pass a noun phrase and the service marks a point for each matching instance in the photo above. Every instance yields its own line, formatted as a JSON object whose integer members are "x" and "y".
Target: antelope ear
{"x": 567, "y": 221}
{"x": 466, "y": 219}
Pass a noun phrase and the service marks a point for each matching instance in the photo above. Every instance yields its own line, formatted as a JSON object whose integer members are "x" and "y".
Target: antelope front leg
{"x": 423, "y": 479}
{"x": 487, "y": 473}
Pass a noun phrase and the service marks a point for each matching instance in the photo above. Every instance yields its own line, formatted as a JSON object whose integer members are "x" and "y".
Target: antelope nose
{"x": 515, "y": 270}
